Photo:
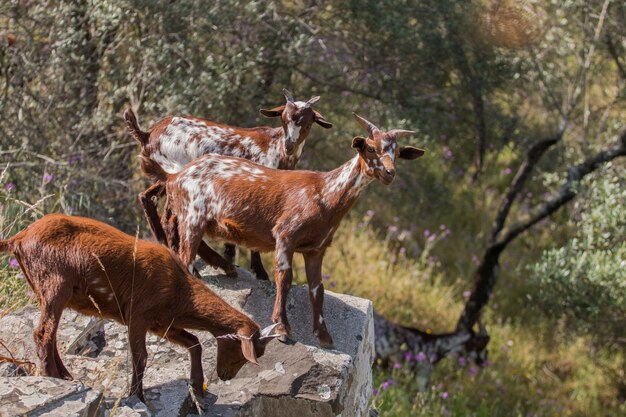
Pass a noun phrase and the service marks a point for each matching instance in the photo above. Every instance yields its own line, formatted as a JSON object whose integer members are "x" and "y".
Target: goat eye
{"x": 370, "y": 149}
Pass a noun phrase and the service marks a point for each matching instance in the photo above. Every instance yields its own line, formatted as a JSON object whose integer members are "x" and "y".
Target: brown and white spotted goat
{"x": 93, "y": 268}
{"x": 175, "y": 141}
{"x": 238, "y": 201}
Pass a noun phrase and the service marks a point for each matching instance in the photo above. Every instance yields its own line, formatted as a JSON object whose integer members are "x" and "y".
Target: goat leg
{"x": 44, "y": 336}
{"x": 213, "y": 258}
{"x": 137, "y": 340}
{"x": 191, "y": 342}
{"x": 256, "y": 265}
{"x": 150, "y": 210}
{"x": 63, "y": 372}
{"x": 313, "y": 266}
{"x": 230, "y": 251}
{"x": 283, "y": 275}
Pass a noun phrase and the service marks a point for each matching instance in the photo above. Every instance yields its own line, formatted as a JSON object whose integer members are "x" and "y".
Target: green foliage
{"x": 585, "y": 279}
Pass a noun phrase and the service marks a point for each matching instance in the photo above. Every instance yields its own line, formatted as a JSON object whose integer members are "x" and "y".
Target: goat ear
{"x": 358, "y": 143}
{"x": 319, "y": 119}
{"x": 410, "y": 152}
{"x": 275, "y": 112}
{"x": 247, "y": 348}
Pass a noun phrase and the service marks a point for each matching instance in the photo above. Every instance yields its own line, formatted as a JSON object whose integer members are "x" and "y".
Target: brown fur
{"x": 93, "y": 268}
{"x": 264, "y": 209}
{"x": 256, "y": 144}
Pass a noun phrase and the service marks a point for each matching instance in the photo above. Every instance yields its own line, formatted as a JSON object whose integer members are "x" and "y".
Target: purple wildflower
{"x": 9, "y": 186}
{"x": 447, "y": 153}
{"x": 326, "y": 277}
{"x": 396, "y": 365}
{"x": 369, "y": 213}
{"x": 420, "y": 357}
{"x": 476, "y": 259}
{"x": 47, "y": 177}
{"x": 375, "y": 392}
{"x": 389, "y": 383}
{"x": 444, "y": 396}
{"x": 393, "y": 229}
{"x": 74, "y": 158}
{"x": 426, "y": 232}
{"x": 408, "y": 356}
{"x": 432, "y": 237}
{"x": 507, "y": 170}
{"x": 461, "y": 361}
{"x": 332, "y": 284}
{"x": 472, "y": 371}
{"x": 13, "y": 263}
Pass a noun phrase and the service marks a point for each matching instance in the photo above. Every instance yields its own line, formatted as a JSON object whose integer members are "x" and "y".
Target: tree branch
{"x": 487, "y": 271}
{"x": 567, "y": 191}
{"x": 615, "y": 55}
{"x": 393, "y": 341}
{"x": 533, "y": 156}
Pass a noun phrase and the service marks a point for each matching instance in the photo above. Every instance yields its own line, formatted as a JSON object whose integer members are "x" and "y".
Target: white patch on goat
{"x": 298, "y": 151}
{"x": 272, "y": 157}
{"x": 321, "y": 320}
{"x": 299, "y": 104}
{"x": 283, "y": 261}
{"x": 293, "y": 131}
{"x": 185, "y": 140}
{"x": 341, "y": 180}
{"x": 348, "y": 182}
{"x": 314, "y": 291}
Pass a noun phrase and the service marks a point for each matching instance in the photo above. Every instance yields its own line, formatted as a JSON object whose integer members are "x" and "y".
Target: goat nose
{"x": 390, "y": 172}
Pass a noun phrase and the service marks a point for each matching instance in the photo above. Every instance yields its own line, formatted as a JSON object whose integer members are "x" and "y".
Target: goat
{"x": 95, "y": 269}
{"x": 175, "y": 141}
{"x": 263, "y": 209}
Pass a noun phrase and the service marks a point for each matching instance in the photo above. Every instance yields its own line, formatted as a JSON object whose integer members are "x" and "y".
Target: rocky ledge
{"x": 297, "y": 379}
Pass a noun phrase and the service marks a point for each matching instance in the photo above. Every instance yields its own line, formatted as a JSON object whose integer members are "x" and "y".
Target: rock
{"x": 298, "y": 379}
{"x": 39, "y": 396}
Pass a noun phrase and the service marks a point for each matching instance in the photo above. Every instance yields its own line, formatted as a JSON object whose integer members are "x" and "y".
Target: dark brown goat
{"x": 93, "y": 268}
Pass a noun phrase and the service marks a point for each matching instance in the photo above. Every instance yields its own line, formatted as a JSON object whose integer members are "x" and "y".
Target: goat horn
{"x": 311, "y": 101}
{"x": 288, "y": 95}
{"x": 400, "y": 133}
{"x": 267, "y": 331}
{"x": 365, "y": 124}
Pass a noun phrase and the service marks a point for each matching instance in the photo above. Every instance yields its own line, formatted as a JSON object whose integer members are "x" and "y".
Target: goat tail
{"x": 133, "y": 127}
{"x": 153, "y": 170}
{"x": 6, "y": 245}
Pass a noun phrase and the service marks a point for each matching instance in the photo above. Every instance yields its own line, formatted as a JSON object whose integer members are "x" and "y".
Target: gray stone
{"x": 38, "y": 396}
{"x": 298, "y": 379}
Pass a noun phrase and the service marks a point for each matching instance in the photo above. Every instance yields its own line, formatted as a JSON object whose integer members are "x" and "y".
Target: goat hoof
{"x": 327, "y": 345}
{"x": 326, "y": 342}
{"x": 231, "y": 272}
{"x": 262, "y": 275}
